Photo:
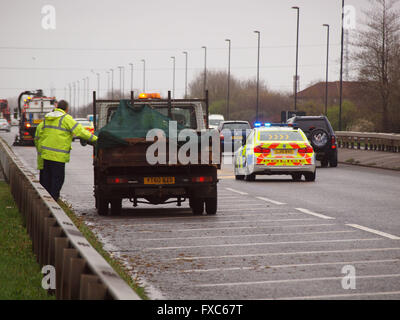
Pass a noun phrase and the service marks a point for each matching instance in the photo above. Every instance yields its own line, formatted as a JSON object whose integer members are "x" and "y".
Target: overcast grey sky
{"x": 102, "y": 34}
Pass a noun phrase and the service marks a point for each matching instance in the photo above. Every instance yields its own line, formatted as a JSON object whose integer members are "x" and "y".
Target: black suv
{"x": 321, "y": 135}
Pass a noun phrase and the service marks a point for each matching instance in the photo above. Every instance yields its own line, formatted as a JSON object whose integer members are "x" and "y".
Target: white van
{"x": 214, "y": 120}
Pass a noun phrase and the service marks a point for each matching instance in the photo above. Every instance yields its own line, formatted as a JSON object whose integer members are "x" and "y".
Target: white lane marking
{"x": 259, "y": 244}
{"x": 363, "y": 294}
{"x": 271, "y": 201}
{"x": 237, "y": 228}
{"x": 246, "y": 235}
{"x": 251, "y": 283}
{"x": 288, "y": 266}
{"x": 284, "y": 253}
{"x": 313, "y": 213}
{"x": 211, "y": 222}
{"x": 258, "y": 227}
{"x": 236, "y": 191}
{"x": 383, "y": 234}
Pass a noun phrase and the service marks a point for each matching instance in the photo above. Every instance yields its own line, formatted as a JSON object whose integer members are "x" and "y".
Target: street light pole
{"x": 131, "y": 64}
{"x": 98, "y": 83}
{"x": 229, "y": 78}
{"x": 258, "y": 74}
{"x": 341, "y": 71}
{"x": 88, "y": 90}
{"x": 120, "y": 81}
{"x": 186, "y": 65}
{"x": 173, "y": 78}
{"x": 297, "y": 58}
{"x": 112, "y": 84}
{"x": 205, "y": 69}
{"x": 144, "y": 75}
{"x": 77, "y": 103}
{"x": 327, "y": 69}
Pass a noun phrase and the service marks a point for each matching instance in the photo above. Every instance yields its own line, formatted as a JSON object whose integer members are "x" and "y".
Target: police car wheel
{"x": 250, "y": 177}
{"x": 310, "y": 176}
{"x": 296, "y": 176}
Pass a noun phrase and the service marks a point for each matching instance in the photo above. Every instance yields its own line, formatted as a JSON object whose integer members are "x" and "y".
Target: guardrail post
{"x": 66, "y": 271}
{"x": 88, "y": 286}
{"x": 77, "y": 267}
{"x": 60, "y": 245}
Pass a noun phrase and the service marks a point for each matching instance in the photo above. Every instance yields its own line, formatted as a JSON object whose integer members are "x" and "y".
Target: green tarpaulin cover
{"x": 131, "y": 122}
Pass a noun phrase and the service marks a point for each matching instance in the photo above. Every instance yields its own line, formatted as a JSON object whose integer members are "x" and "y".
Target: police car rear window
{"x": 281, "y": 136}
{"x": 236, "y": 126}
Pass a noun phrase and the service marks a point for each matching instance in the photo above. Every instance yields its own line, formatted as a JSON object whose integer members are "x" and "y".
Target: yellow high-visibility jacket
{"x": 38, "y": 133}
{"x": 57, "y": 133}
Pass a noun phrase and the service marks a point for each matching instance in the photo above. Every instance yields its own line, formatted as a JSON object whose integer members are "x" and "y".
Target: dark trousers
{"x": 52, "y": 177}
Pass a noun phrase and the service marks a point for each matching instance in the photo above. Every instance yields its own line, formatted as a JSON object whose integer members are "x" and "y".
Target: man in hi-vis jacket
{"x": 54, "y": 146}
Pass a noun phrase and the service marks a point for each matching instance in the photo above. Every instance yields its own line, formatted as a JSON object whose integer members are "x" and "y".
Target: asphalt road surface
{"x": 335, "y": 238}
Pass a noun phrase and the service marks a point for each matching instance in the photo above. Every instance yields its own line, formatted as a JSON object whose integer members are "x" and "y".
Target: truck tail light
{"x": 221, "y": 137}
{"x": 202, "y": 179}
{"x": 116, "y": 180}
{"x": 307, "y": 149}
{"x": 260, "y": 149}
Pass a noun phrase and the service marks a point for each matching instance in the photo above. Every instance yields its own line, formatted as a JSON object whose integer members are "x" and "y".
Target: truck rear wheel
{"x": 116, "y": 206}
{"x": 197, "y": 206}
{"x": 211, "y": 206}
{"x": 102, "y": 207}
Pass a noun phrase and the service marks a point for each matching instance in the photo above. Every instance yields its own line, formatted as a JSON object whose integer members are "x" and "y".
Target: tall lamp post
{"x": 120, "y": 81}
{"x": 205, "y": 69}
{"x": 341, "y": 71}
{"x": 131, "y": 64}
{"x": 327, "y": 68}
{"x": 98, "y": 82}
{"x": 229, "y": 78}
{"x": 258, "y": 73}
{"x": 186, "y": 65}
{"x": 144, "y": 75}
{"x": 88, "y": 90}
{"x": 112, "y": 84}
{"x": 173, "y": 77}
{"x": 297, "y": 58}
{"x": 77, "y": 95}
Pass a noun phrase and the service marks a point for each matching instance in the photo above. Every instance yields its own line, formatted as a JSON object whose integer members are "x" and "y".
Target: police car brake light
{"x": 260, "y": 149}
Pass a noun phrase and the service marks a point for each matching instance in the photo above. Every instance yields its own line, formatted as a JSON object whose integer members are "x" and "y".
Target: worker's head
{"x": 63, "y": 105}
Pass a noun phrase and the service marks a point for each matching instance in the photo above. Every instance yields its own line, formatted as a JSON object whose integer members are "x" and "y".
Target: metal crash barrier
{"x": 81, "y": 272}
{"x": 369, "y": 141}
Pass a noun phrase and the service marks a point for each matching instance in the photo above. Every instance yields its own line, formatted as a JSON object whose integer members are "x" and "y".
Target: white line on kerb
{"x": 269, "y": 200}
{"x": 236, "y": 191}
{"x": 291, "y": 280}
{"x": 383, "y": 234}
{"x": 313, "y": 213}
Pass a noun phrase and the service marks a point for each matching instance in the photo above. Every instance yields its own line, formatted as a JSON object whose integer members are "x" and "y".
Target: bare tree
{"x": 378, "y": 55}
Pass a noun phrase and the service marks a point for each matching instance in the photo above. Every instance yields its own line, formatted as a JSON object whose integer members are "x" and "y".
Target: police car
{"x": 275, "y": 149}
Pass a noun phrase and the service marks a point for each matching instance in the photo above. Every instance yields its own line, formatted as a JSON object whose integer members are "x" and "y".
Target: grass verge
{"x": 97, "y": 245}
{"x": 20, "y": 274}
